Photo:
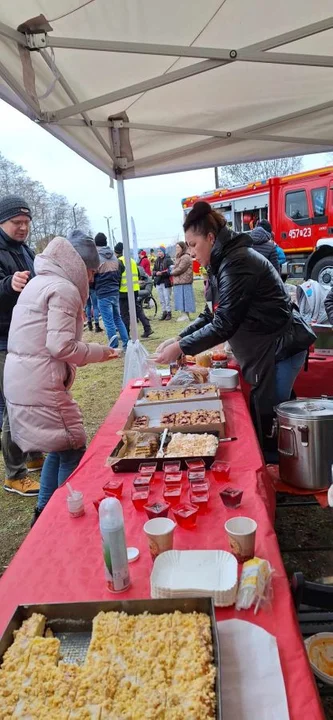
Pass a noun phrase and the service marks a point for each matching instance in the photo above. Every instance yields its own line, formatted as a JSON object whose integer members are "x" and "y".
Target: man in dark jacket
{"x": 106, "y": 283}
{"x": 16, "y": 269}
{"x": 263, "y": 244}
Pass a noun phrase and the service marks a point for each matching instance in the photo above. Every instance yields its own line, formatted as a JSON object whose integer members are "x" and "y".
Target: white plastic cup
{"x": 75, "y": 503}
{"x": 159, "y": 532}
{"x": 241, "y": 533}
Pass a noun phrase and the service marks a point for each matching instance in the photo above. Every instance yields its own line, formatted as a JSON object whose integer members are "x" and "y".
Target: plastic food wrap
{"x": 255, "y": 587}
{"x": 188, "y": 375}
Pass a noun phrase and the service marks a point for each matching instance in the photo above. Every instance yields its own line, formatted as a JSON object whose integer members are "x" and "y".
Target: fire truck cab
{"x": 300, "y": 210}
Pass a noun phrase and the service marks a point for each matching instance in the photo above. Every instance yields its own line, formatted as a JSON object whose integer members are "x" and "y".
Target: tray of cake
{"x": 203, "y": 415}
{"x": 67, "y": 661}
{"x": 177, "y": 393}
{"x": 137, "y": 446}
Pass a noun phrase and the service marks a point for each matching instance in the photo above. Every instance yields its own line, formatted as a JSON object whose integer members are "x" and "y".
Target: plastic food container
{"x": 195, "y": 464}
{"x": 201, "y": 501}
{"x": 171, "y": 467}
{"x": 231, "y": 497}
{"x": 186, "y": 515}
{"x": 200, "y": 488}
{"x": 220, "y": 470}
{"x": 147, "y": 468}
{"x": 140, "y": 497}
{"x": 142, "y": 481}
{"x": 172, "y": 494}
{"x": 173, "y": 478}
{"x": 113, "y": 488}
{"x": 157, "y": 509}
{"x": 224, "y": 378}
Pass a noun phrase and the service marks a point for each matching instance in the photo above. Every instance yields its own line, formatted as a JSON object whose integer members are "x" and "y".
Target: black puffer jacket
{"x": 12, "y": 260}
{"x": 246, "y": 292}
{"x": 162, "y": 265}
{"x": 263, "y": 244}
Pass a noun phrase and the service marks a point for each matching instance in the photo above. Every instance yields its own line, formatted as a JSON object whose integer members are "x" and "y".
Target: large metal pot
{"x": 305, "y": 442}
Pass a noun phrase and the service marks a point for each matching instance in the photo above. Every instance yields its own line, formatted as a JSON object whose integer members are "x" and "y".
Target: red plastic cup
{"x": 140, "y": 497}
{"x": 147, "y": 468}
{"x": 142, "y": 481}
{"x": 113, "y": 488}
{"x": 172, "y": 494}
{"x": 201, "y": 501}
{"x": 196, "y": 475}
{"x": 157, "y": 509}
{"x": 231, "y": 497}
{"x": 186, "y": 515}
{"x": 97, "y": 503}
{"x": 220, "y": 470}
{"x": 173, "y": 478}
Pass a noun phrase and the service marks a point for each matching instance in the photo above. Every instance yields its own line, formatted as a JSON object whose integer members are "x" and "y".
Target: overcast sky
{"x": 155, "y": 203}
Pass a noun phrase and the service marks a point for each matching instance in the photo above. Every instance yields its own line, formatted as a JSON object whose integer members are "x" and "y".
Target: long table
{"x": 61, "y": 559}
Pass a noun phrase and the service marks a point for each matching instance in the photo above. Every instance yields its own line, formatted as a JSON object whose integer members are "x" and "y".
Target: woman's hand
{"x": 158, "y": 273}
{"x": 165, "y": 344}
{"x": 169, "y": 354}
{"x": 109, "y": 353}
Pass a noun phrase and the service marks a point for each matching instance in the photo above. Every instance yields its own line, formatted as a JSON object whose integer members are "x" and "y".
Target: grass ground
{"x": 96, "y": 389}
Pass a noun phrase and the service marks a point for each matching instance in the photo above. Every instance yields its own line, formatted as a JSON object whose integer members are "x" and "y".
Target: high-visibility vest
{"x": 135, "y": 277}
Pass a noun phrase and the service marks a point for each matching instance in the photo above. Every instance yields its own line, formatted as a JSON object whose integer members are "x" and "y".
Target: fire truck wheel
{"x": 322, "y": 271}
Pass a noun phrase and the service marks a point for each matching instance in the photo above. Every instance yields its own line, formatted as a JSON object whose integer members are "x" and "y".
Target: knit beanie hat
{"x": 101, "y": 240}
{"x": 162, "y": 249}
{"x": 13, "y": 205}
{"x": 265, "y": 224}
{"x": 86, "y": 248}
{"x": 119, "y": 248}
{"x": 259, "y": 236}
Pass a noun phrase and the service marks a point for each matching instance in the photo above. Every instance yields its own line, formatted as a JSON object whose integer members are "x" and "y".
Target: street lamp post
{"x": 74, "y": 215}
{"x": 108, "y": 218}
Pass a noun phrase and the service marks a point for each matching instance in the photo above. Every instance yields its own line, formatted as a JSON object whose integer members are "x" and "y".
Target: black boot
{"x": 168, "y": 316}
{"x": 148, "y": 331}
{"x": 35, "y": 517}
{"x": 90, "y": 327}
{"x": 98, "y": 328}
{"x": 163, "y": 316}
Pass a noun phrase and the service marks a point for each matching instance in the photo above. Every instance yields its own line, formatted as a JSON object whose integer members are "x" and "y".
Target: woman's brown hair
{"x": 202, "y": 219}
{"x": 182, "y": 245}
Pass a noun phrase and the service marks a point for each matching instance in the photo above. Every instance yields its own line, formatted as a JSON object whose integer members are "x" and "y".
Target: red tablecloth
{"x": 315, "y": 381}
{"x": 61, "y": 558}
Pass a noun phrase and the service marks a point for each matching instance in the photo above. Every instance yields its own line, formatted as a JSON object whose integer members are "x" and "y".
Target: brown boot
{"x": 168, "y": 316}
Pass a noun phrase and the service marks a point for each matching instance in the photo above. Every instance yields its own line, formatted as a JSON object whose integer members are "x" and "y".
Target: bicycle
{"x": 149, "y": 306}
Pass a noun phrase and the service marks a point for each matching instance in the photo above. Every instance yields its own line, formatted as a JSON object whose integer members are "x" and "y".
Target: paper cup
{"x": 241, "y": 532}
{"x": 159, "y": 532}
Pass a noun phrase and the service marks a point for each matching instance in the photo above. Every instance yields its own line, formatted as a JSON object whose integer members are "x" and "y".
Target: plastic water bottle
{"x": 111, "y": 523}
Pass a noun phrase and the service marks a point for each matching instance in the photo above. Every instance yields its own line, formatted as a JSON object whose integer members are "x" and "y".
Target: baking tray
{"x": 143, "y": 400}
{"x": 72, "y": 624}
{"x": 132, "y": 464}
{"x": 155, "y": 411}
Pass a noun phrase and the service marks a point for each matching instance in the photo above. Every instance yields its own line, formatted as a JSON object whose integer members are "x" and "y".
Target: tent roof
{"x": 148, "y": 86}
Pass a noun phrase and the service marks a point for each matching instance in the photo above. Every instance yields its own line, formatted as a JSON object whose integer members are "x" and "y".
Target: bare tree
{"x": 243, "y": 173}
{"x": 52, "y": 214}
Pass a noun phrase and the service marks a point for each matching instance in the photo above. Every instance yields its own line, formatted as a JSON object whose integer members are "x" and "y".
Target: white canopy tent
{"x": 145, "y": 87}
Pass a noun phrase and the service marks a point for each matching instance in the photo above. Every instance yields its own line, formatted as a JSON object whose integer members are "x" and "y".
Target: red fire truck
{"x": 300, "y": 210}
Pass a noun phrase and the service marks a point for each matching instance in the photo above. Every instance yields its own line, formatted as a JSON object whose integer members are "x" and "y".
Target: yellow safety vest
{"x": 135, "y": 277}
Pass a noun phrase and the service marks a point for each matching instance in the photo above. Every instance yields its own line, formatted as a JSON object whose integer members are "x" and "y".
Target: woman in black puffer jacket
{"x": 251, "y": 310}
{"x": 263, "y": 244}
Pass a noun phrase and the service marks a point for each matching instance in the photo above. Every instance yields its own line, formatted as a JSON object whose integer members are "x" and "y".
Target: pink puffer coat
{"x": 44, "y": 348}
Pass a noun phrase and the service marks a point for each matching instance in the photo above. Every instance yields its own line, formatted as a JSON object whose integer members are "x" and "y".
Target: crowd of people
{"x": 42, "y": 302}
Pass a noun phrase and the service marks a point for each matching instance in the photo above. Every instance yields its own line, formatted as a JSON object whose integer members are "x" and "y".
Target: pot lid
{"x": 310, "y": 409}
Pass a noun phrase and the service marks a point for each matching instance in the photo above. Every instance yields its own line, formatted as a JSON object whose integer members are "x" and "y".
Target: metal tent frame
{"x": 34, "y": 36}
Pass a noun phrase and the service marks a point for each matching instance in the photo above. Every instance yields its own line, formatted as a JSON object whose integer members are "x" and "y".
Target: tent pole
{"x": 128, "y": 270}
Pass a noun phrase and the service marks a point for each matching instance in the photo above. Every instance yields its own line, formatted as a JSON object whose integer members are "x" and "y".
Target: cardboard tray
{"x": 156, "y": 410}
{"x": 143, "y": 400}
{"x": 132, "y": 464}
{"x": 72, "y": 621}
